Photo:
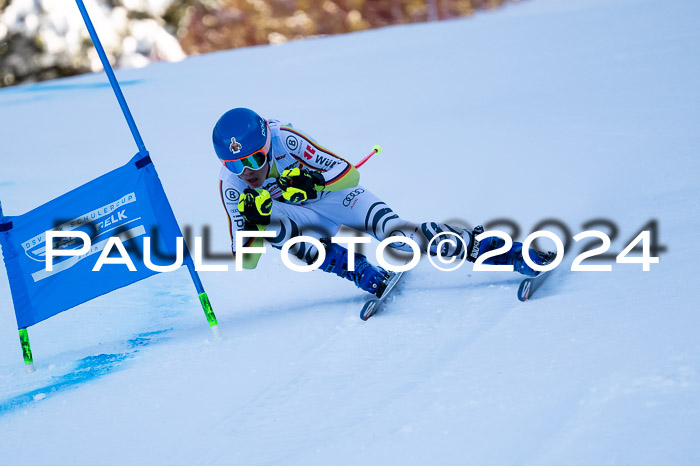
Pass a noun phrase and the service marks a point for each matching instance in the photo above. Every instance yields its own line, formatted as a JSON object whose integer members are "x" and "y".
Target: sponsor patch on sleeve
{"x": 292, "y": 143}
{"x": 232, "y": 195}
{"x": 309, "y": 152}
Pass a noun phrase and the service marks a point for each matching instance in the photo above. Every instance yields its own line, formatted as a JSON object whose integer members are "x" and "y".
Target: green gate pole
{"x": 26, "y": 350}
{"x": 209, "y": 312}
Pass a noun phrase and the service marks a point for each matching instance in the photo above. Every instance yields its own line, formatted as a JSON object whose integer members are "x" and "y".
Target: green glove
{"x": 256, "y": 205}
{"x": 300, "y": 184}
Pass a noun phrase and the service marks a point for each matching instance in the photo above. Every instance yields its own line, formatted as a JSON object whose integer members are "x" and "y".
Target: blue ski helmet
{"x": 241, "y": 140}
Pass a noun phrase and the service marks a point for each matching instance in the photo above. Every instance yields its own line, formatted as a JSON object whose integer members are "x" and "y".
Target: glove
{"x": 255, "y": 205}
{"x": 300, "y": 184}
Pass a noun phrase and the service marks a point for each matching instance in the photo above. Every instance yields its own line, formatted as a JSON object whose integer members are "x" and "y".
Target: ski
{"x": 375, "y": 304}
{"x": 530, "y": 285}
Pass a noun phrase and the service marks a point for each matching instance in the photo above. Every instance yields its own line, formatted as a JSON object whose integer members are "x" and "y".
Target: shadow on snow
{"x": 88, "y": 368}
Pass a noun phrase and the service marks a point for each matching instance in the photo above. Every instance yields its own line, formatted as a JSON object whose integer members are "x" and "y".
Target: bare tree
{"x": 432, "y": 10}
{"x": 396, "y": 11}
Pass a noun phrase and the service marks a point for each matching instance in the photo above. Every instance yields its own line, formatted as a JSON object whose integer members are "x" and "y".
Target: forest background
{"x": 46, "y": 39}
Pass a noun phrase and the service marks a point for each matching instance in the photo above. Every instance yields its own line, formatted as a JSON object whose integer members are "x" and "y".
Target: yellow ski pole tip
{"x": 377, "y": 148}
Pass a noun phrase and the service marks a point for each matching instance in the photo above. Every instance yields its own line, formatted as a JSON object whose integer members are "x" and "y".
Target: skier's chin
{"x": 255, "y": 184}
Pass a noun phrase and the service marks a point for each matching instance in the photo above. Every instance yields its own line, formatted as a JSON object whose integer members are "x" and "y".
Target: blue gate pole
{"x": 203, "y": 299}
{"x": 112, "y": 79}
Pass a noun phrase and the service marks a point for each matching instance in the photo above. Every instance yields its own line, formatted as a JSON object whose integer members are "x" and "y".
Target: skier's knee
{"x": 451, "y": 241}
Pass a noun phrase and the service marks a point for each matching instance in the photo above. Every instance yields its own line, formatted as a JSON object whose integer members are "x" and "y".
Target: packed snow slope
{"x": 574, "y": 110}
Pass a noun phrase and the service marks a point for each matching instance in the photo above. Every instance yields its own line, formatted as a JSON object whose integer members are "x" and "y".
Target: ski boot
{"x": 538, "y": 257}
{"x": 513, "y": 257}
{"x": 366, "y": 276}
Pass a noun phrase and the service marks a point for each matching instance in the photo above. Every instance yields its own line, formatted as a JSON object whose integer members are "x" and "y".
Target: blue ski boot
{"x": 513, "y": 257}
{"x": 366, "y": 276}
{"x": 516, "y": 255}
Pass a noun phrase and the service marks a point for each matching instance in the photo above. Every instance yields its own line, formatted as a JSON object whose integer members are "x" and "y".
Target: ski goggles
{"x": 254, "y": 161}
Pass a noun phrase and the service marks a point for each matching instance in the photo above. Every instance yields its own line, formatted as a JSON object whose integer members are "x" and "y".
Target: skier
{"x": 276, "y": 178}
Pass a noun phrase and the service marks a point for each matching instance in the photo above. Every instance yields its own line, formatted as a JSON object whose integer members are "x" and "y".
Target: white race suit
{"x": 342, "y": 202}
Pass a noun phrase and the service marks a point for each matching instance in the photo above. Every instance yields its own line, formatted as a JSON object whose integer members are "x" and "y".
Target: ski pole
{"x": 377, "y": 149}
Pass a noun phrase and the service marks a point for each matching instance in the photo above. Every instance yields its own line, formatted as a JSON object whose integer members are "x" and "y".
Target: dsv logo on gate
{"x": 348, "y": 199}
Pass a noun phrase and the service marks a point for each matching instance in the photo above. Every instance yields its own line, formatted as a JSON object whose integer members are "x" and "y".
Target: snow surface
{"x": 570, "y": 109}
